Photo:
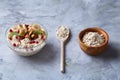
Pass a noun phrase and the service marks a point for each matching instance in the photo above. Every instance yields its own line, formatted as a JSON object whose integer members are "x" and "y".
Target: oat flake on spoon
{"x": 62, "y": 33}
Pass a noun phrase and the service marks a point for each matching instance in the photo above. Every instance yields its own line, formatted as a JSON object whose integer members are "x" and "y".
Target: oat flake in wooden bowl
{"x": 93, "y": 41}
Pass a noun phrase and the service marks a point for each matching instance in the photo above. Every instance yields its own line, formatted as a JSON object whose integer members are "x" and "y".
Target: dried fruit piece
{"x": 36, "y": 36}
{"x": 10, "y": 30}
{"x": 42, "y": 37}
{"x": 14, "y": 44}
{"x": 18, "y": 31}
{"x": 17, "y": 37}
{"x": 31, "y": 42}
{"x": 37, "y": 42}
{"x": 10, "y": 38}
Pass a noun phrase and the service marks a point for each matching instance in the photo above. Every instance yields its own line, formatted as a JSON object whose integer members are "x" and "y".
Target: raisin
{"x": 18, "y": 31}
{"x": 16, "y": 37}
{"x": 42, "y": 37}
{"x": 14, "y": 44}
{"x": 10, "y": 38}
{"x": 11, "y": 30}
{"x": 37, "y": 42}
{"x": 31, "y": 42}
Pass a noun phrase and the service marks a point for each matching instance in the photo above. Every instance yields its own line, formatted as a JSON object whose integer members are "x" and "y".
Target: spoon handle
{"x": 62, "y": 62}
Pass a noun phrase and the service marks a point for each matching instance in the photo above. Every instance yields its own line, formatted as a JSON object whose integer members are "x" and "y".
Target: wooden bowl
{"x": 89, "y": 49}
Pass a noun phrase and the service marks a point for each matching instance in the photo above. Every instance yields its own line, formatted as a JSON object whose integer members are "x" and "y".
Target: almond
{"x": 32, "y": 36}
{"x": 30, "y": 32}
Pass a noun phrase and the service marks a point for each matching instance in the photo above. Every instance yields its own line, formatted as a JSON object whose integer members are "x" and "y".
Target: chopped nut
{"x": 24, "y": 26}
{"x": 30, "y": 32}
{"x": 27, "y": 36}
{"x": 32, "y": 36}
{"x": 20, "y": 26}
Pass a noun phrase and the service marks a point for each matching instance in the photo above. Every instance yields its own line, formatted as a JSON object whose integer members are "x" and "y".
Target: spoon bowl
{"x": 65, "y": 38}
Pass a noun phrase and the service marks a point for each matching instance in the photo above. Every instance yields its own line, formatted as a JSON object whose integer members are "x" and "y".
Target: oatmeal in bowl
{"x": 93, "y": 41}
{"x": 26, "y": 40}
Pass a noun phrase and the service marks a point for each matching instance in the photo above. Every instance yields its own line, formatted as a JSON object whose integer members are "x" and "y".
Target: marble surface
{"x": 77, "y": 15}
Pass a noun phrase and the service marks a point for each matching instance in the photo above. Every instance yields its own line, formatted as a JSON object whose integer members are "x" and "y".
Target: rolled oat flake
{"x": 93, "y": 39}
{"x": 62, "y": 32}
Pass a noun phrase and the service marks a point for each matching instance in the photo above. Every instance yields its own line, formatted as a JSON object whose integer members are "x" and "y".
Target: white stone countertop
{"x": 77, "y": 15}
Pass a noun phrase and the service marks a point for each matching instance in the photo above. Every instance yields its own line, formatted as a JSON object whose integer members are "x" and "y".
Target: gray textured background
{"x": 77, "y": 15}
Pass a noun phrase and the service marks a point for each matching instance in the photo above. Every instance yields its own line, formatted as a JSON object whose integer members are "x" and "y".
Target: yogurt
{"x": 26, "y": 39}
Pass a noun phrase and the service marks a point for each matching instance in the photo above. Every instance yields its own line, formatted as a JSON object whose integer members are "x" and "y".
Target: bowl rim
{"x": 10, "y": 45}
{"x": 92, "y": 28}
